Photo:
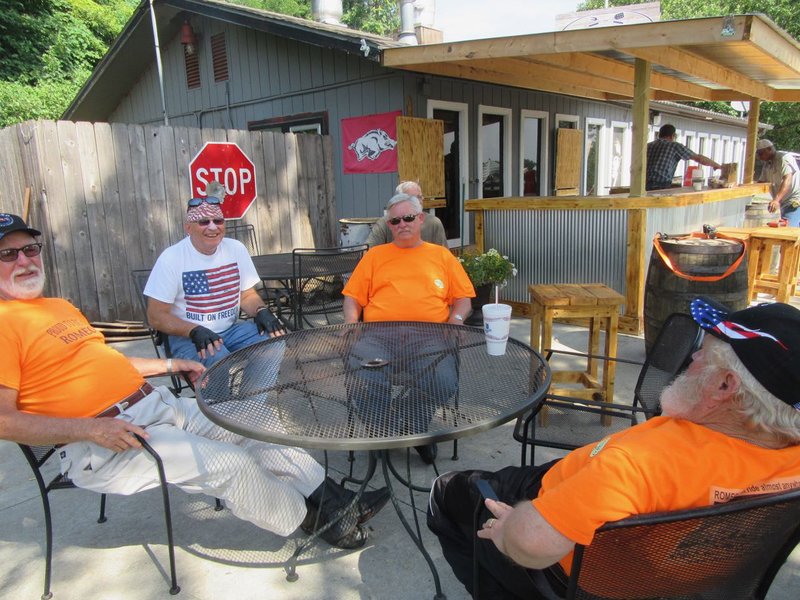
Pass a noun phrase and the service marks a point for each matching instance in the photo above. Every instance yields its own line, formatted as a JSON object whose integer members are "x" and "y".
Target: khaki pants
{"x": 263, "y": 483}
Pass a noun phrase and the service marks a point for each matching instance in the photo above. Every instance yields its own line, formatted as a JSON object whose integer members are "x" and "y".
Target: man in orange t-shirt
{"x": 407, "y": 280}
{"x": 61, "y": 384}
{"x": 730, "y": 428}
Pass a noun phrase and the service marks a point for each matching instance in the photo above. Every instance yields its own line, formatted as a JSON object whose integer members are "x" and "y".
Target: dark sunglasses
{"x": 406, "y": 218}
{"x": 207, "y": 222}
{"x": 208, "y": 200}
{"x": 11, "y": 254}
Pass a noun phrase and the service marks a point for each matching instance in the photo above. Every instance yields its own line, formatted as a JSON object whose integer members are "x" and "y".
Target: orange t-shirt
{"x": 59, "y": 364}
{"x": 408, "y": 284}
{"x": 661, "y": 465}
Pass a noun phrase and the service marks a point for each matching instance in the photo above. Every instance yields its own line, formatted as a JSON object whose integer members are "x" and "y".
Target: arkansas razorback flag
{"x": 369, "y": 143}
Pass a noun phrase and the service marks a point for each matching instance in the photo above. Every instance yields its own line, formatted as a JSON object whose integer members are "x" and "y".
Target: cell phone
{"x": 486, "y": 490}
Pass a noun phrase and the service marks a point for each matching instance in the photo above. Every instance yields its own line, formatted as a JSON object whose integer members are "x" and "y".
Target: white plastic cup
{"x": 496, "y": 323}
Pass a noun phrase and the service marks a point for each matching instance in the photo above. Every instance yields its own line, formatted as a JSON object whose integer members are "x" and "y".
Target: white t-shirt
{"x": 203, "y": 289}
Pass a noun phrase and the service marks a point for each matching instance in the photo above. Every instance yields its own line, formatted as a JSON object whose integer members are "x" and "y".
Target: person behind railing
{"x": 198, "y": 286}
{"x": 730, "y": 427}
{"x": 664, "y": 154}
{"x": 781, "y": 171}
{"x": 432, "y": 229}
{"x": 406, "y": 280}
{"x": 60, "y": 384}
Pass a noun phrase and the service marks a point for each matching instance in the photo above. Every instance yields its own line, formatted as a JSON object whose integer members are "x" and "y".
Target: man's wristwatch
{"x": 458, "y": 317}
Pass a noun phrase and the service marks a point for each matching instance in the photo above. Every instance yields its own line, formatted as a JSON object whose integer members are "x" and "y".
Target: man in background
{"x": 780, "y": 170}
{"x": 664, "y": 154}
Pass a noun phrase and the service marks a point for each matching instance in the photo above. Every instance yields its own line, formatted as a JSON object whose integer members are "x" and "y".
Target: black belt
{"x": 127, "y": 402}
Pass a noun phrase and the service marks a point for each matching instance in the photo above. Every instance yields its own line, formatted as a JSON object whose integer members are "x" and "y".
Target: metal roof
{"x": 714, "y": 58}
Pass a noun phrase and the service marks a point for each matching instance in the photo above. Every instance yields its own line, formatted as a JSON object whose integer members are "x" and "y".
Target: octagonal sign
{"x": 226, "y": 163}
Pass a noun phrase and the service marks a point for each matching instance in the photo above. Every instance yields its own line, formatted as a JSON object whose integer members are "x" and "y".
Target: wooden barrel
{"x": 757, "y": 214}
{"x": 666, "y": 292}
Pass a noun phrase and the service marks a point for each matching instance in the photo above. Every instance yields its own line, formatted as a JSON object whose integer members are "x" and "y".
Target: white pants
{"x": 263, "y": 483}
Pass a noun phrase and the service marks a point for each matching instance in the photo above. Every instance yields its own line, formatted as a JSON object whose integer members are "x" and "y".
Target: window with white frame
{"x": 620, "y": 167}
{"x": 533, "y": 152}
{"x": 567, "y": 121}
{"x": 594, "y": 158}
{"x": 494, "y": 151}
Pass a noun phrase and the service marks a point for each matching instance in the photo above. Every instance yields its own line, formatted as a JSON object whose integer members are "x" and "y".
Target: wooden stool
{"x": 596, "y": 302}
{"x": 760, "y": 243}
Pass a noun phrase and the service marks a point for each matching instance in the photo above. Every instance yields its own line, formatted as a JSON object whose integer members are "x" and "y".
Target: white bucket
{"x": 355, "y": 231}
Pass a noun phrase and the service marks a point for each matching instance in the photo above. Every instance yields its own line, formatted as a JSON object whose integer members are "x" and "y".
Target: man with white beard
{"x": 730, "y": 426}
{"x": 61, "y": 384}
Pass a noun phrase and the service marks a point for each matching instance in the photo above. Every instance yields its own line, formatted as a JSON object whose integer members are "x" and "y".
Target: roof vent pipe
{"x": 327, "y": 11}
{"x": 408, "y": 35}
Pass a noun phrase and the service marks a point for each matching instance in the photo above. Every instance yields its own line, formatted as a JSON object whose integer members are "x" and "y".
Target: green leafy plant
{"x": 491, "y": 267}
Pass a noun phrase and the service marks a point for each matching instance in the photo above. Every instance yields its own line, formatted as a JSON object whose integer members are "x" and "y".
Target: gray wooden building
{"x": 224, "y": 66}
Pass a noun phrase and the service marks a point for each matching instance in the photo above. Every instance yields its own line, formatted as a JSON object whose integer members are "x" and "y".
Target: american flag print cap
{"x": 766, "y": 338}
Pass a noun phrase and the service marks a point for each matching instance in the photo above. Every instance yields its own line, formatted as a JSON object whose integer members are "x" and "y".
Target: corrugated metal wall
{"x": 564, "y": 246}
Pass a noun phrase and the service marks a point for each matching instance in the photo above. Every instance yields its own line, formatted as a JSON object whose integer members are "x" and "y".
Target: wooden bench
{"x": 595, "y": 302}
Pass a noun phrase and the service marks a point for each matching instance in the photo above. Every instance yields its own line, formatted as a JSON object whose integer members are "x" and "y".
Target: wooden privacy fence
{"x": 109, "y": 198}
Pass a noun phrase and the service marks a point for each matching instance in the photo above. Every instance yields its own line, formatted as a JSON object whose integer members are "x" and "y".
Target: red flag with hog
{"x": 369, "y": 143}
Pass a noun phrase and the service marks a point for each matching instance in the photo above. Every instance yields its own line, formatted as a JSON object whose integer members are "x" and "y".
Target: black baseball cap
{"x": 10, "y": 223}
{"x": 766, "y": 338}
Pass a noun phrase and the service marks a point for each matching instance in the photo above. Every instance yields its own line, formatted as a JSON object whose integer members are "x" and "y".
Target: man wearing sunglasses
{"x": 408, "y": 280}
{"x": 198, "y": 286}
{"x": 61, "y": 384}
{"x": 431, "y": 231}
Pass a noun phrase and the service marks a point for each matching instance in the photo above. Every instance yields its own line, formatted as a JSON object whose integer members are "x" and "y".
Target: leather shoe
{"x": 371, "y": 503}
{"x": 338, "y": 535}
{"x": 427, "y": 453}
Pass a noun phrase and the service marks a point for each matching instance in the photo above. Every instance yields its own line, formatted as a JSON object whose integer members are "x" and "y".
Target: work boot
{"x": 371, "y": 503}
{"x": 427, "y": 453}
{"x": 334, "y": 505}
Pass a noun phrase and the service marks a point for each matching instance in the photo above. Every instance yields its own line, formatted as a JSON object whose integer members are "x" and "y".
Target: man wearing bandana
{"x": 198, "y": 286}
{"x": 729, "y": 428}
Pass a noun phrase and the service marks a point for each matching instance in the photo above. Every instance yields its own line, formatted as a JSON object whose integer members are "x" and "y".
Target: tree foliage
{"x": 784, "y": 117}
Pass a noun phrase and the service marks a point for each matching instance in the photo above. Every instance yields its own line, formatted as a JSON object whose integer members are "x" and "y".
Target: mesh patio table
{"x": 372, "y": 387}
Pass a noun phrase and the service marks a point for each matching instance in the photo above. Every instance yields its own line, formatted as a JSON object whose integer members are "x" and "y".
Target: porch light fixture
{"x": 188, "y": 38}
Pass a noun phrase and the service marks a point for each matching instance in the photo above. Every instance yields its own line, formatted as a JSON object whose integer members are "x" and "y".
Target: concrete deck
{"x": 222, "y": 558}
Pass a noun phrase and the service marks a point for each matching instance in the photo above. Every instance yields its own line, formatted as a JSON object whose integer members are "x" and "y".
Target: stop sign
{"x": 227, "y": 164}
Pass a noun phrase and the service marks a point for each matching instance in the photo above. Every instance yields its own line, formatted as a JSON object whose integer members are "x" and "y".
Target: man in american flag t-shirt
{"x": 198, "y": 287}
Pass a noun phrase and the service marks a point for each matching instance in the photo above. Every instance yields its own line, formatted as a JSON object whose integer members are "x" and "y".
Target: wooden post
{"x": 478, "y": 231}
{"x": 752, "y": 139}
{"x": 641, "y": 113}
{"x": 635, "y": 272}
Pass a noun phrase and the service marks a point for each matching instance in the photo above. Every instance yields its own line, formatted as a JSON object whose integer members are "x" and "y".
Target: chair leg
{"x": 455, "y": 450}
{"x": 102, "y": 517}
{"x": 174, "y": 587}
{"x": 218, "y": 505}
{"x": 48, "y": 551}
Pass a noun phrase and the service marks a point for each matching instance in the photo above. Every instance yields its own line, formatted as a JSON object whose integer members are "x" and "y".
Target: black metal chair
{"x": 319, "y": 275}
{"x": 38, "y": 457}
{"x": 727, "y": 551}
{"x": 277, "y": 297}
{"x": 159, "y": 339}
{"x": 574, "y": 422}
{"x": 245, "y": 233}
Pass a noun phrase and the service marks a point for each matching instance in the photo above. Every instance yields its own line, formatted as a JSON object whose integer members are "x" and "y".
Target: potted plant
{"x": 488, "y": 272}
